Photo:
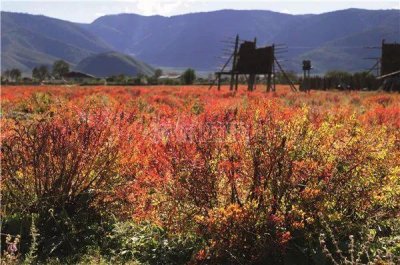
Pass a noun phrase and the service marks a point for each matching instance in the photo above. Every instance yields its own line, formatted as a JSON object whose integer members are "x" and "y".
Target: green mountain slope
{"x": 195, "y": 40}
{"x": 353, "y": 52}
{"x": 333, "y": 40}
{"x": 113, "y": 63}
{"x": 30, "y": 40}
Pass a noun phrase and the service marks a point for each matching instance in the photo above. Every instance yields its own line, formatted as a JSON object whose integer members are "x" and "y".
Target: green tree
{"x": 6, "y": 75}
{"x": 121, "y": 78}
{"x": 158, "y": 73}
{"x": 153, "y": 80}
{"x": 281, "y": 79}
{"x": 337, "y": 75}
{"x": 339, "y": 79}
{"x": 40, "y": 73}
{"x": 60, "y": 68}
{"x": 188, "y": 76}
{"x": 15, "y": 74}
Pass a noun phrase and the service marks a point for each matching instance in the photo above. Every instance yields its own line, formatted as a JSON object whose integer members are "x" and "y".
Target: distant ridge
{"x": 31, "y": 40}
{"x": 332, "y": 40}
{"x": 113, "y": 63}
{"x": 195, "y": 39}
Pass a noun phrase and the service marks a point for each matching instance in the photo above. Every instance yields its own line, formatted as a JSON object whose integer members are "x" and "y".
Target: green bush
{"x": 149, "y": 244}
{"x": 188, "y": 76}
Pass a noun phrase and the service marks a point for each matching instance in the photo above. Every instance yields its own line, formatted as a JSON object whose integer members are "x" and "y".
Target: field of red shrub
{"x": 250, "y": 175}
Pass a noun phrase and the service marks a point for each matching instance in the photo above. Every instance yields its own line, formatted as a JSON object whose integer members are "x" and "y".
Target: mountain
{"x": 338, "y": 40}
{"x": 186, "y": 40}
{"x": 333, "y": 40}
{"x": 351, "y": 52}
{"x": 113, "y": 63}
{"x": 31, "y": 40}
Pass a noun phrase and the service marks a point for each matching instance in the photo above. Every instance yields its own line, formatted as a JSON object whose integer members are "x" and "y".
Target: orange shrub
{"x": 243, "y": 171}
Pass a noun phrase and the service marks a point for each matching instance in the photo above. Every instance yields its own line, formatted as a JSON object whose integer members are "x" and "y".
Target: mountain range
{"x": 30, "y": 40}
{"x": 334, "y": 40}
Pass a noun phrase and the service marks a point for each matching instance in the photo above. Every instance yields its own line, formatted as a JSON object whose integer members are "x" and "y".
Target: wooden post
{"x": 273, "y": 77}
{"x": 273, "y": 68}
{"x": 236, "y": 82}
{"x": 252, "y": 78}
{"x": 234, "y": 62}
{"x": 285, "y": 75}
{"x": 219, "y": 81}
{"x": 273, "y": 81}
{"x": 270, "y": 83}
{"x": 266, "y": 83}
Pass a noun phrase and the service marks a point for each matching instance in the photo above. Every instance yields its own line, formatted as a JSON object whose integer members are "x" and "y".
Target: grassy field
{"x": 187, "y": 175}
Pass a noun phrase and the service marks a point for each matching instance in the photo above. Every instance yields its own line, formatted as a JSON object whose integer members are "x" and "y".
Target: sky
{"x": 86, "y": 11}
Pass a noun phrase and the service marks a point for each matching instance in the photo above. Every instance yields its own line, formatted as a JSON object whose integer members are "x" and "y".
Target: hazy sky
{"x": 87, "y": 10}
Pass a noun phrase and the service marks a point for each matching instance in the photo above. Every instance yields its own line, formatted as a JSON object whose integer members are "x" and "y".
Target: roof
{"x": 77, "y": 75}
{"x": 389, "y": 75}
{"x": 170, "y": 76}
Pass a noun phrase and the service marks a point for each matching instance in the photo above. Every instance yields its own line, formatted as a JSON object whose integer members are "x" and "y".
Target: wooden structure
{"x": 390, "y": 59}
{"x": 305, "y": 85}
{"x": 390, "y": 66}
{"x": 351, "y": 82}
{"x": 390, "y": 82}
{"x": 250, "y": 61}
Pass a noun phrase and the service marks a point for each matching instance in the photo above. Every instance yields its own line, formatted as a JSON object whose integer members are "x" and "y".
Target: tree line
{"x": 331, "y": 79}
{"x": 39, "y": 73}
{"x": 60, "y": 68}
